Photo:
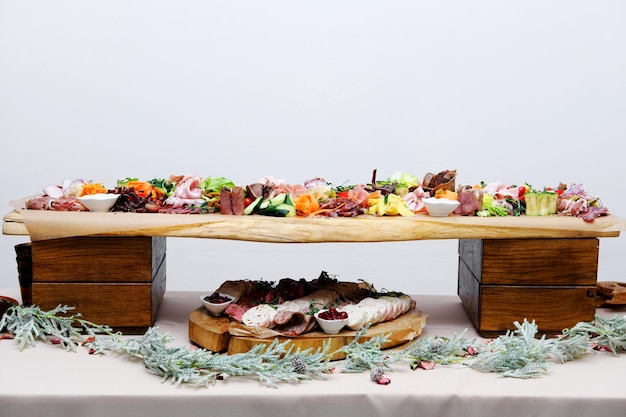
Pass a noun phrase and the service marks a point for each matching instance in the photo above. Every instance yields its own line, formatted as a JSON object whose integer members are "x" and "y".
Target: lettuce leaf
{"x": 215, "y": 184}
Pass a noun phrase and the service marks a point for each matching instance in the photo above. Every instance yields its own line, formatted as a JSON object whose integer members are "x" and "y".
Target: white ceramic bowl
{"x": 216, "y": 309}
{"x": 99, "y": 202}
{"x": 330, "y": 326}
{"x": 440, "y": 207}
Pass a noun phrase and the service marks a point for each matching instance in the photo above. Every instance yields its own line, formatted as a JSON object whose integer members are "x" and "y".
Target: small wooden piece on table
{"x": 610, "y": 293}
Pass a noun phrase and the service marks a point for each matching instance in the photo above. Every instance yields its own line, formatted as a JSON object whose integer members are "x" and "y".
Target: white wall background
{"x": 531, "y": 91}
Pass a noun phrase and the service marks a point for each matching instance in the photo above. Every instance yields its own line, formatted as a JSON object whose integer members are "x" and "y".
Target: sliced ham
{"x": 39, "y": 203}
{"x": 64, "y": 203}
{"x": 186, "y": 193}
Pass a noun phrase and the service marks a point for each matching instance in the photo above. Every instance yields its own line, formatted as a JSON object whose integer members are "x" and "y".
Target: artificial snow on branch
{"x": 519, "y": 353}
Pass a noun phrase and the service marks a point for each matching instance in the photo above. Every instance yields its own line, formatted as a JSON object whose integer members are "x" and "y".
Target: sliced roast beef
{"x": 225, "y": 203}
{"x": 237, "y": 195}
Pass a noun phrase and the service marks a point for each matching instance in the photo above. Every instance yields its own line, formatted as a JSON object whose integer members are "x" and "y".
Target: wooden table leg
{"x": 117, "y": 281}
{"x": 551, "y": 281}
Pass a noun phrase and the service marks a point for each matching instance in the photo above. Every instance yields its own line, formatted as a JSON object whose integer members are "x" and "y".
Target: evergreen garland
{"x": 518, "y": 353}
{"x": 29, "y": 323}
{"x": 602, "y": 332}
{"x": 428, "y": 351}
{"x": 367, "y": 355}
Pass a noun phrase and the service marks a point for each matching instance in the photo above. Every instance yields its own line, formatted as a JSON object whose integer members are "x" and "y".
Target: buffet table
{"x": 47, "y": 381}
{"x": 96, "y": 261}
{"x": 45, "y": 224}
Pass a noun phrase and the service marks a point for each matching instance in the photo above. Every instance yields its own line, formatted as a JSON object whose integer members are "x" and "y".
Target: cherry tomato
{"x": 522, "y": 191}
{"x": 247, "y": 201}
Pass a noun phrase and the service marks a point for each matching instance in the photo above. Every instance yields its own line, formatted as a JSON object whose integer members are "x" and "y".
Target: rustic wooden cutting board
{"x": 212, "y": 333}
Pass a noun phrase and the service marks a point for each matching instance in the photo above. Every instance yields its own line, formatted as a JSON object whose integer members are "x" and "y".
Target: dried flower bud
{"x": 426, "y": 365}
{"x": 89, "y": 339}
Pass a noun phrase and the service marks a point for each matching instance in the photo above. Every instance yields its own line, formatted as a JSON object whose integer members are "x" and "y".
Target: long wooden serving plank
{"x": 212, "y": 333}
{"x": 42, "y": 225}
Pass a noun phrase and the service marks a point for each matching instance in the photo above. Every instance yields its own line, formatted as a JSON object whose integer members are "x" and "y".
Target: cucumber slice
{"x": 288, "y": 210}
{"x": 281, "y": 210}
{"x": 253, "y": 206}
{"x": 279, "y": 199}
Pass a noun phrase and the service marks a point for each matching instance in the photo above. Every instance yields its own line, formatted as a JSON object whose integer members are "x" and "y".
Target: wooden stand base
{"x": 550, "y": 281}
{"x": 117, "y": 281}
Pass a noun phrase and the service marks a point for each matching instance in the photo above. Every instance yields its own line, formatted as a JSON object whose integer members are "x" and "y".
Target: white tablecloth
{"x": 47, "y": 381}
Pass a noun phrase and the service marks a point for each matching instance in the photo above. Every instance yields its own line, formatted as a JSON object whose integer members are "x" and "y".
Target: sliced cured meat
{"x": 237, "y": 195}
{"x": 255, "y": 190}
{"x": 236, "y": 311}
{"x": 64, "y": 203}
{"x": 289, "y": 308}
{"x": 469, "y": 199}
{"x": 186, "y": 193}
{"x": 372, "y": 311}
{"x": 231, "y": 200}
{"x": 242, "y": 288}
{"x": 377, "y": 308}
{"x": 444, "y": 180}
{"x": 294, "y": 317}
{"x": 287, "y": 289}
{"x": 67, "y": 204}
{"x": 296, "y": 301}
{"x": 39, "y": 203}
{"x": 293, "y": 189}
{"x": 297, "y": 324}
{"x": 259, "y": 316}
{"x": 225, "y": 205}
{"x": 358, "y": 316}
{"x": 593, "y": 212}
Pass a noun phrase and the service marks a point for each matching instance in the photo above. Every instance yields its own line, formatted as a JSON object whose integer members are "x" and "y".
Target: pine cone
{"x": 436, "y": 345}
{"x": 376, "y": 374}
{"x": 299, "y": 366}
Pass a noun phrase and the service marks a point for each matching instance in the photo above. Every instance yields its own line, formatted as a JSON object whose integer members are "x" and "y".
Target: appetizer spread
{"x": 401, "y": 194}
{"x": 289, "y": 307}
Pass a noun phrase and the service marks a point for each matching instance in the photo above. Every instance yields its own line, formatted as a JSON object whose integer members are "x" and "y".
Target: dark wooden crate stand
{"x": 117, "y": 281}
{"x": 550, "y": 281}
